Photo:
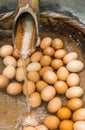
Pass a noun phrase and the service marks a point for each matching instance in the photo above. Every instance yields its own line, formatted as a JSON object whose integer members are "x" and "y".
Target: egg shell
{"x": 40, "y": 85}
{"x": 66, "y": 125}
{"x": 75, "y": 66}
{"x": 73, "y": 79}
{"x": 61, "y": 87}
{"x": 20, "y": 74}
{"x": 33, "y": 76}
{"x": 29, "y": 128}
{"x": 62, "y": 73}
{"x": 79, "y": 125}
{"x": 69, "y": 57}
{"x": 50, "y": 77}
{"x": 51, "y": 121}
{"x": 45, "y": 42}
{"x": 10, "y": 60}
{"x": 79, "y": 115}
{"x": 60, "y": 53}
{"x": 48, "y": 51}
{"x": 9, "y": 71}
{"x": 44, "y": 69}
{"x": 42, "y": 127}
{"x": 6, "y": 50}
{"x": 35, "y": 66}
{"x": 64, "y": 113}
{"x": 48, "y": 93}
{"x": 36, "y": 56}
{"x": 54, "y": 105}
{"x": 74, "y": 92}
{"x": 57, "y": 43}
{"x": 75, "y": 103}
{"x": 4, "y": 81}
{"x": 14, "y": 88}
{"x": 45, "y": 60}
{"x": 56, "y": 63}
{"x": 35, "y": 100}
{"x": 30, "y": 87}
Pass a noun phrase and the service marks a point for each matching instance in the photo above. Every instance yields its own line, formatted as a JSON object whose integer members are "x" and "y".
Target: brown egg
{"x": 60, "y": 53}
{"x": 35, "y": 100}
{"x": 9, "y": 71}
{"x": 79, "y": 115}
{"x": 57, "y": 43}
{"x": 48, "y": 51}
{"x": 33, "y": 76}
{"x": 6, "y": 50}
{"x": 10, "y": 60}
{"x": 48, "y": 93}
{"x": 64, "y": 113}
{"x": 54, "y": 105}
{"x": 40, "y": 85}
{"x": 45, "y": 42}
{"x": 16, "y": 53}
{"x": 74, "y": 92}
{"x": 79, "y": 125}
{"x": 66, "y": 125}
{"x": 62, "y": 73}
{"x": 30, "y": 87}
{"x": 75, "y": 66}
{"x": 61, "y": 87}
{"x": 73, "y": 79}
{"x": 36, "y": 56}
{"x": 29, "y": 128}
{"x": 56, "y": 63}
{"x": 14, "y": 88}
{"x": 20, "y": 74}
{"x": 41, "y": 127}
{"x": 44, "y": 69}
{"x": 75, "y": 103}
{"x": 34, "y": 66}
{"x": 45, "y": 60}
{"x": 4, "y": 81}
{"x": 52, "y": 122}
{"x": 69, "y": 57}
{"x": 50, "y": 77}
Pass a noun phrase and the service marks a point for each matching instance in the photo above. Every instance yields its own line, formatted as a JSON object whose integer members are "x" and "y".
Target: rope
{"x": 75, "y": 23}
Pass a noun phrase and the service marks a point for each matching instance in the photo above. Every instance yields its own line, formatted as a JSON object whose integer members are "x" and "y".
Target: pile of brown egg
{"x": 51, "y": 71}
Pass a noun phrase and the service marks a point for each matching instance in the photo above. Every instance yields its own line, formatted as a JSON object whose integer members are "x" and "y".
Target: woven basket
{"x": 51, "y": 24}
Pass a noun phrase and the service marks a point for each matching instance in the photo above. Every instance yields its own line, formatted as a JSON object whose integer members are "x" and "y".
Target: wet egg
{"x": 4, "y": 81}
{"x": 6, "y": 50}
{"x": 14, "y": 88}
{"x": 66, "y": 125}
{"x": 48, "y": 93}
{"x": 9, "y": 71}
{"x": 57, "y": 43}
{"x": 50, "y": 77}
{"x": 75, "y": 103}
{"x": 64, "y": 113}
{"x": 35, "y": 100}
{"x": 51, "y": 121}
{"x": 10, "y": 60}
{"x": 45, "y": 42}
{"x": 54, "y": 105}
